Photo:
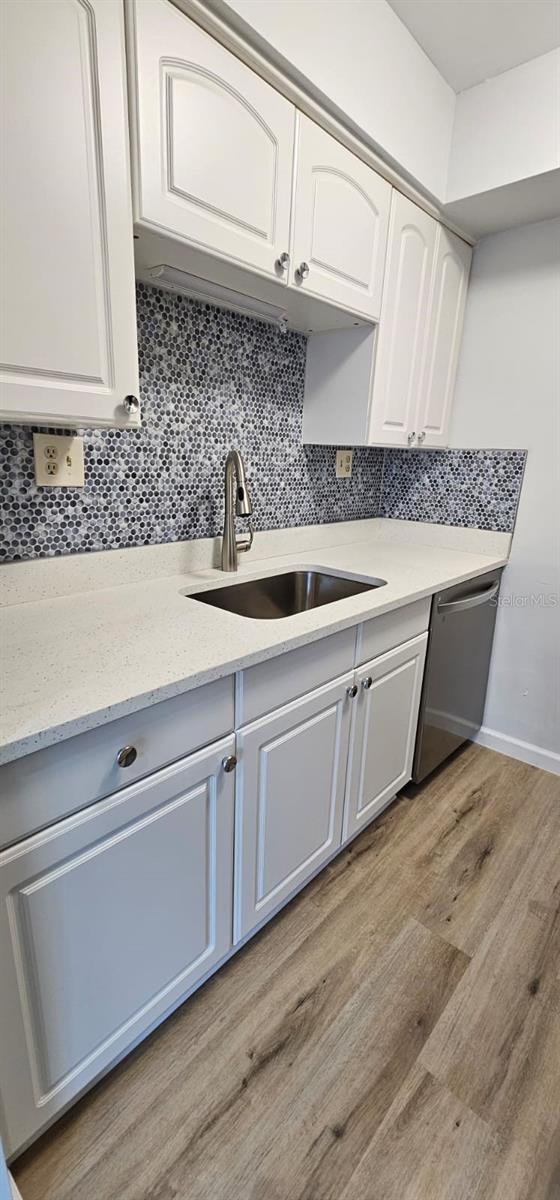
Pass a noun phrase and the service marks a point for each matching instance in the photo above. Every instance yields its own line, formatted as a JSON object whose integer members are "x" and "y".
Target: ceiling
{"x": 471, "y": 40}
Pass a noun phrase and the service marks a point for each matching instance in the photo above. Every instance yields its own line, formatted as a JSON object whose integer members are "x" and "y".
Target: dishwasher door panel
{"x": 457, "y": 666}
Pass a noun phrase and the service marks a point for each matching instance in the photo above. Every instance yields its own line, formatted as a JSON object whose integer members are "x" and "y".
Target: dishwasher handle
{"x": 472, "y": 601}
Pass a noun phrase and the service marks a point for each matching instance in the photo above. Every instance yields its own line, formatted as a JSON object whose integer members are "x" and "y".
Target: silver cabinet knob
{"x": 283, "y": 262}
{"x": 302, "y": 271}
{"x": 411, "y": 437}
{"x": 422, "y": 435}
{"x": 352, "y": 691}
{"x": 127, "y": 756}
{"x": 366, "y": 683}
{"x": 229, "y": 763}
{"x": 131, "y": 405}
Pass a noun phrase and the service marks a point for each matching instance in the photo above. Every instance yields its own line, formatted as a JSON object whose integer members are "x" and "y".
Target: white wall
{"x": 359, "y": 54}
{"x": 507, "y": 128}
{"x": 508, "y": 394}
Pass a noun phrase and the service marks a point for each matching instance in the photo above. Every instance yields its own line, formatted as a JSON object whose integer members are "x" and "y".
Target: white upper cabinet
{"x": 68, "y": 324}
{"x": 341, "y": 220}
{"x": 443, "y": 337}
{"x": 213, "y": 142}
{"x": 220, "y": 194}
{"x": 401, "y": 336}
{"x": 393, "y": 385}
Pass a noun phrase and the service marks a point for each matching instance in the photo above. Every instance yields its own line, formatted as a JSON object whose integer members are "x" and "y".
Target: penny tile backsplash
{"x": 453, "y": 487}
{"x": 209, "y": 380}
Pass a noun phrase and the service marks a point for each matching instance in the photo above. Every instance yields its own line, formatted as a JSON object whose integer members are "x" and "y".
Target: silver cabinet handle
{"x": 366, "y": 683}
{"x": 127, "y": 756}
{"x": 229, "y": 763}
{"x": 283, "y": 262}
{"x": 411, "y": 437}
{"x": 352, "y": 691}
{"x": 131, "y": 405}
{"x": 472, "y": 601}
{"x": 422, "y": 435}
{"x": 302, "y": 271}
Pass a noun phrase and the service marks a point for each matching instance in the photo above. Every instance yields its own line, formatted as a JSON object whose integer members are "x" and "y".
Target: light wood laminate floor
{"x": 394, "y": 1034}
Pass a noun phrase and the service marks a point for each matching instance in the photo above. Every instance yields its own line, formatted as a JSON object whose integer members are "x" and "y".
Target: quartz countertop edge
{"x": 77, "y": 662}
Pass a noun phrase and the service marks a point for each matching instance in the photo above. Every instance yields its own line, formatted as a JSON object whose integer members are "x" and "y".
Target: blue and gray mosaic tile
{"x": 453, "y": 487}
{"x": 209, "y": 380}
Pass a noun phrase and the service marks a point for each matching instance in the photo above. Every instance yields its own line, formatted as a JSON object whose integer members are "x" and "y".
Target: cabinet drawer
{"x": 43, "y": 787}
{"x": 391, "y": 629}
{"x": 272, "y": 683}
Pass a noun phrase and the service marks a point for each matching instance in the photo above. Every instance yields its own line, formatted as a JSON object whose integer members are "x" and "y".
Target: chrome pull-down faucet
{"x": 237, "y": 503}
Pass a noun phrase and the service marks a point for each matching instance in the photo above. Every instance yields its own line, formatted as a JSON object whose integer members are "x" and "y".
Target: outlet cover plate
{"x": 344, "y": 464}
{"x": 59, "y": 460}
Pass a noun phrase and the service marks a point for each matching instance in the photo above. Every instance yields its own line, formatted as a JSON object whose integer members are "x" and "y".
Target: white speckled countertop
{"x": 76, "y": 661}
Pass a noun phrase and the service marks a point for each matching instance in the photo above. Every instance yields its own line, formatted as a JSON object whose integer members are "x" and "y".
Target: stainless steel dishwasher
{"x": 457, "y": 665}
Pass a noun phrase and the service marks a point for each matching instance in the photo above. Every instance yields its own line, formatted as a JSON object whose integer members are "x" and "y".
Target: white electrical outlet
{"x": 344, "y": 464}
{"x": 59, "y": 460}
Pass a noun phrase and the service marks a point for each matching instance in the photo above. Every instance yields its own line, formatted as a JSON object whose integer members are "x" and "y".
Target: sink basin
{"x": 284, "y": 595}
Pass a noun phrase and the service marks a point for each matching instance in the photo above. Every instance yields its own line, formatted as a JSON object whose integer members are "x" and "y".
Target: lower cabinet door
{"x": 106, "y": 920}
{"x": 383, "y": 731}
{"x": 289, "y": 799}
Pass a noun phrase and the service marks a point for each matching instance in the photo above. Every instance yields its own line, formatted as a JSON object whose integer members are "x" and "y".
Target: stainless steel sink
{"x": 284, "y": 595}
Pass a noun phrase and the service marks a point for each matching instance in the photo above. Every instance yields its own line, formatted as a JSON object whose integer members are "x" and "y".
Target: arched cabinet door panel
{"x": 445, "y": 325}
{"x": 341, "y": 219}
{"x": 402, "y": 331}
{"x": 68, "y": 325}
{"x": 213, "y": 142}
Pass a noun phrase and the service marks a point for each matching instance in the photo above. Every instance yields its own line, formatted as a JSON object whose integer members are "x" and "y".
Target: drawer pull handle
{"x": 352, "y": 691}
{"x": 127, "y": 756}
{"x": 367, "y": 682}
{"x": 229, "y": 763}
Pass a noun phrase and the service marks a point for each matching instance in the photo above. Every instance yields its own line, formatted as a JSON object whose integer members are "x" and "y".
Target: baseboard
{"x": 547, "y": 760}
{"x": 16, "y": 1194}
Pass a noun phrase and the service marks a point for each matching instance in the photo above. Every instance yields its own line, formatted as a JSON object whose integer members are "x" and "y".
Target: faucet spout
{"x": 237, "y": 502}
{"x": 243, "y": 506}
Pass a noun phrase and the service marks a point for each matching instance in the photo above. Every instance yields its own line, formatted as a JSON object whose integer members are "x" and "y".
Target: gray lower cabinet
{"x": 290, "y": 798}
{"x": 107, "y": 919}
{"x": 384, "y": 720}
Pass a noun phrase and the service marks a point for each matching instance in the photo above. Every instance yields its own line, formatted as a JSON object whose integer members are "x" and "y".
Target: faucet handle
{"x": 243, "y": 547}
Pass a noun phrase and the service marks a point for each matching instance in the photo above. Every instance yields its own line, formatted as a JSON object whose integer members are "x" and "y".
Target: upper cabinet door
{"x": 213, "y": 142}
{"x": 341, "y": 221}
{"x": 68, "y": 323}
{"x": 402, "y": 331}
{"x": 445, "y": 324}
